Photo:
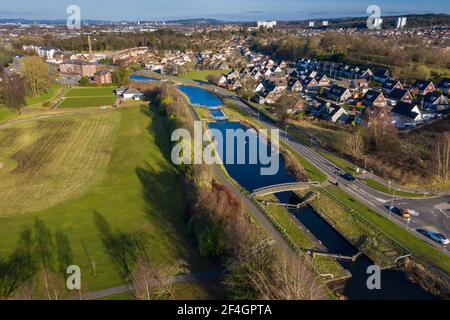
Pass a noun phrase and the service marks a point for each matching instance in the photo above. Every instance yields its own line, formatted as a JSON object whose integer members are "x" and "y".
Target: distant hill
{"x": 414, "y": 20}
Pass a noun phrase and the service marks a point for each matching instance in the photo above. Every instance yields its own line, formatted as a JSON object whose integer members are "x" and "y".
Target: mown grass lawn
{"x": 90, "y": 92}
{"x": 385, "y": 189}
{"x": 51, "y": 93}
{"x": 418, "y": 247}
{"x": 136, "y": 189}
{"x": 86, "y": 102}
{"x": 201, "y": 75}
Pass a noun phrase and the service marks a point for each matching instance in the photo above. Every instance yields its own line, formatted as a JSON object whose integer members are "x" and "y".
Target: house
{"x": 322, "y": 80}
{"x": 435, "y": 101}
{"x": 331, "y": 112}
{"x": 365, "y": 74}
{"x": 294, "y": 85}
{"x": 381, "y": 75}
{"x": 358, "y": 86}
{"x": 397, "y": 95}
{"x": 79, "y": 67}
{"x": 374, "y": 98}
{"x": 444, "y": 85}
{"x": 339, "y": 94}
{"x": 130, "y": 93}
{"x": 391, "y": 84}
{"x": 310, "y": 84}
{"x": 423, "y": 87}
{"x": 103, "y": 77}
{"x": 405, "y": 112}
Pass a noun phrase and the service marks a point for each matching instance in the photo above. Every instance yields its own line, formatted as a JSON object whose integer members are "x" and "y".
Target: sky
{"x": 229, "y": 10}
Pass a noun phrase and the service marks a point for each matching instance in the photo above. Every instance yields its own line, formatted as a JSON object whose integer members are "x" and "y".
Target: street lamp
{"x": 285, "y": 134}
{"x": 389, "y": 186}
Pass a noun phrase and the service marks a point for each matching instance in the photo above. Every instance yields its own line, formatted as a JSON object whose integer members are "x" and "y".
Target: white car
{"x": 438, "y": 237}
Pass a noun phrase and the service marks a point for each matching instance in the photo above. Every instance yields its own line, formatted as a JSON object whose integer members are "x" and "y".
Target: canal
{"x": 394, "y": 283}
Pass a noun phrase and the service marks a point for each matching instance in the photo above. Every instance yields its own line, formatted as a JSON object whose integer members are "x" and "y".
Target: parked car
{"x": 438, "y": 237}
{"x": 348, "y": 176}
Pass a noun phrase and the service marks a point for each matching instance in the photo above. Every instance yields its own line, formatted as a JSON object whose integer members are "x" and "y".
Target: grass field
{"x": 339, "y": 162}
{"x": 201, "y": 75}
{"x": 385, "y": 189}
{"x": 90, "y": 92}
{"x": 51, "y": 93}
{"x": 88, "y": 97}
{"x": 131, "y": 183}
{"x": 6, "y": 114}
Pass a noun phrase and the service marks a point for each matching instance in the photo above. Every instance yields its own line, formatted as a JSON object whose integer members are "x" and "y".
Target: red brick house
{"x": 103, "y": 77}
{"x": 79, "y": 67}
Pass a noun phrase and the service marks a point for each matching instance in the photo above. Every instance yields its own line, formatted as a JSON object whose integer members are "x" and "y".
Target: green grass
{"x": 339, "y": 162}
{"x": 418, "y": 247}
{"x": 302, "y": 238}
{"x": 6, "y": 114}
{"x": 201, "y": 75}
{"x": 90, "y": 92}
{"x": 385, "y": 189}
{"x": 50, "y": 94}
{"x": 139, "y": 190}
{"x": 88, "y": 97}
{"x": 87, "y": 102}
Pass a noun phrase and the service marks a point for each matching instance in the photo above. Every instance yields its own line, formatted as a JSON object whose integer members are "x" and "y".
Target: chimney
{"x": 90, "y": 46}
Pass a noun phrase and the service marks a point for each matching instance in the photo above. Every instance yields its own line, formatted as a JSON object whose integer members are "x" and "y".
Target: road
{"x": 434, "y": 212}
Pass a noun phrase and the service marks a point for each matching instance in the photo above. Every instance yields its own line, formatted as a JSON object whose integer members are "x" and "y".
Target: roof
{"x": 371, "y": 95}
{"x": 405, "y": 109}
{"x": 421, "y": 84}
{"x": 431, "y": 97}
{"x": 389, "y": 84}
{"x": 78, "y": 62}
{"x": 338, "y": 90}
{"x": 444, "y": 83}
{"x": 102, "y": 72}
{"x": 397, "y": 94}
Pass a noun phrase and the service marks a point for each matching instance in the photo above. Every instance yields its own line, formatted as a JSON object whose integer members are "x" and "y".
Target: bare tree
{"x": 290, "y": 281}
{"x": 165, "y": 276}
{"x": 89, "y": 257}
{"x": 442, "y": 156}
{"x": 142, "y": 279}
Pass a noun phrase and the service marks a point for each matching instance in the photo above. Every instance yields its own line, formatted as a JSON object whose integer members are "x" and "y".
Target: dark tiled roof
{"x": 405, "y": 109}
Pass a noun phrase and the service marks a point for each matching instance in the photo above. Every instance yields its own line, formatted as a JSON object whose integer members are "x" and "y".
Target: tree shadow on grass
{"x": 164, "y": 194}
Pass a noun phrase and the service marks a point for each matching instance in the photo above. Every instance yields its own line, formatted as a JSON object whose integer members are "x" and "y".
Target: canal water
{"x": 135, "y": 77}
{"x": 200, "y": 97}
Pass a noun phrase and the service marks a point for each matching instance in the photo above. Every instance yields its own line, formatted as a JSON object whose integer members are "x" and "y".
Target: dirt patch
{"x": 1, "y": 165}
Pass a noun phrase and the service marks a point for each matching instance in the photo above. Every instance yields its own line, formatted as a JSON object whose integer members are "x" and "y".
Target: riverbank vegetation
{"x": 224, "y": 229}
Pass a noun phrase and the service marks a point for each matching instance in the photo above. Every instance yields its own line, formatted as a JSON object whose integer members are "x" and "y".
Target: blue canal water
{"x": 394, "y": 284}
{"x": 200, "y": 97}
{"x": 142, "y": 78}
{"x": 217, "y": 113}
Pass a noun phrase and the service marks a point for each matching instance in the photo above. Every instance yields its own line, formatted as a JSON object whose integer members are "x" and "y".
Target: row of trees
{"x": 224, "y": 230}
{"x": 33, "y": 79}
{"x": 400, "y": 56}
{"x": 12, "y": 90}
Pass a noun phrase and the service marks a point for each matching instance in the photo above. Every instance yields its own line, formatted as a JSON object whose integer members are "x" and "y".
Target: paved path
{"x": 434, "y": 213}
{"x": 127, "y": 287}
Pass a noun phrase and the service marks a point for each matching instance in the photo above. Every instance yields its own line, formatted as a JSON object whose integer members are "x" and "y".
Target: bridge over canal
{"x": 283, "y": 187}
